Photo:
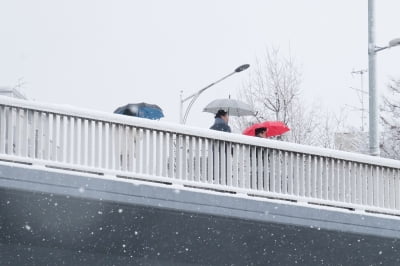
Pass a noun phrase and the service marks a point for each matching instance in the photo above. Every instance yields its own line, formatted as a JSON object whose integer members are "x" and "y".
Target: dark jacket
{"x": 220, "y": 125}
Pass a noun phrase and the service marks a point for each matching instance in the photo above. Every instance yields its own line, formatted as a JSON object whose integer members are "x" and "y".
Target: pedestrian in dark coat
{"x": 221, "y": 121}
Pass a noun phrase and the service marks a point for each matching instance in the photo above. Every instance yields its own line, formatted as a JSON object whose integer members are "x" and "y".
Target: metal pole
{"x": 181, "y": 108}
{"x": 373, "y": 99}
{"x": 362, "y": 100}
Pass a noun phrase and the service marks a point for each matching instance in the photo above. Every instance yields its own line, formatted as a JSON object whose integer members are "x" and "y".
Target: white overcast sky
{"x": 101, "y": 54}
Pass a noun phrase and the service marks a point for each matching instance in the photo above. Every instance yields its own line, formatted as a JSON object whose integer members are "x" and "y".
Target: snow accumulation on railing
{"x": 69, "y": 138}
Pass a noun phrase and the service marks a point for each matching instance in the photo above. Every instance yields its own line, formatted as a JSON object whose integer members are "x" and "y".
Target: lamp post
{"x": 373, "y": 95}
{"x": 194, "y": 96}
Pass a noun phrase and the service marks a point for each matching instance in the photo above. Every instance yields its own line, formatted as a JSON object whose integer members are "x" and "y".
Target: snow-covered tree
{"x": 390, "y": 118}
{"x": 273, "y": 86}
{"x": 273, "y": 89}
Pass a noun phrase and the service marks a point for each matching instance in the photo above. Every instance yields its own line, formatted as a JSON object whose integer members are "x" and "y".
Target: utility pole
{"x": 373, "y": 95}
{"x": 360, "y": 93}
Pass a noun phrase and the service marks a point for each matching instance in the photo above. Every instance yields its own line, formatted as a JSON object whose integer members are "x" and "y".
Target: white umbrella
{"x": 233, "y": 107}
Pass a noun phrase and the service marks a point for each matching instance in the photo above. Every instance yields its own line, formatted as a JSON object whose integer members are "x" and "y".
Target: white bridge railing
{"x": 127, "y": 147}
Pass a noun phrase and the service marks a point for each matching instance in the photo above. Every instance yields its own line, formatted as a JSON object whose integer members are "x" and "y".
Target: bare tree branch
{"x": 390, "y": 118}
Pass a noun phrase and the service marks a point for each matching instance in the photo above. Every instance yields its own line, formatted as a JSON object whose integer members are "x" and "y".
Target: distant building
{"x": 352, "y": 141}
{"x": 12, "y": 92}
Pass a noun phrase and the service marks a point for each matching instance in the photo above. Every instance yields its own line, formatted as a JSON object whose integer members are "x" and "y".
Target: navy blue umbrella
{"x": 144, "y": 110}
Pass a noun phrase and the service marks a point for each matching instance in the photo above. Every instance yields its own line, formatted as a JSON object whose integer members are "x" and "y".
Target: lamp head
{"x": 242, "y": 67}
{"x": 394, "y": 42}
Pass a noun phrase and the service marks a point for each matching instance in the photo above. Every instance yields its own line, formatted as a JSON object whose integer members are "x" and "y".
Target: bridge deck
{"x": 83, "y": 218}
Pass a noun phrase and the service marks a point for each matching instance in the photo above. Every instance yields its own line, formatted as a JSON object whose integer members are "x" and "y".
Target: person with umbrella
{"x": 143, "y": 110}
{"x": 225, "y": 107}
{"x": 273, "y": 128}
{"x": 221, "y": 121}
{"x": 261, "y": 132}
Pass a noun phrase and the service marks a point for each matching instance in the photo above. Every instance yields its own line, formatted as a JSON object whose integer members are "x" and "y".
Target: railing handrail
{"x": 198, "y": 132}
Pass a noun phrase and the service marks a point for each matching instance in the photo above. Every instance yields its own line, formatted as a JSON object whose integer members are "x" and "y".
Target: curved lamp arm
{"x": 197, "y": 94}
{"x": 189, "y": 107}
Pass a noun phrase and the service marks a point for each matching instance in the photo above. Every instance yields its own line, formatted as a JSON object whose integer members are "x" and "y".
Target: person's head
{"x": 261, "y": 132}
{"x": 223, "y": 115}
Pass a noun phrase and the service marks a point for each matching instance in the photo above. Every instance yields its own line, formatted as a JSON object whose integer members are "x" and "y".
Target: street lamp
{"x": 194, "y": 96}
{"x": 373, "y": 99}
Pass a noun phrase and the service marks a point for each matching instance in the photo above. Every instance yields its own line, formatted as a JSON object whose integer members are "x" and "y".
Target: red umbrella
{"x": 274, "y": 128}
